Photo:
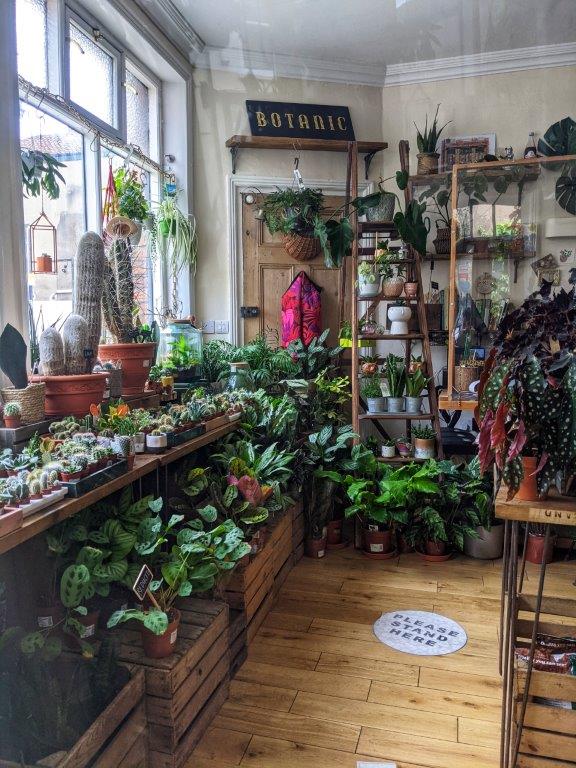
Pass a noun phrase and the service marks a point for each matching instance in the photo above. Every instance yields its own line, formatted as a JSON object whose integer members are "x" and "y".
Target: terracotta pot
{"x": 160, "y": 646}
{"x": 315, "y": 547}
{"x": 43, "y": 263}
{"x": 130, "y": 461}
{"x": 49, "y": 616}
{"x": 136, "y": 360}
{"x": 427, "y": 163}
{"x": 72, "y": 395}
{"x": 334, "y": 536}
{"x": 535, "y": 551}
{"x": 12, "y": 422}
{"x": 87, "y": 633}
{"x": 528, "y": 490}
{"x": 69, "y": 477}
{"x": 424, "y": 449}
{"x": 435, "y": 548}
{"x": 403, "y": 546}
{"x": 411, "y": 290}
{"x": 378, "y": 542}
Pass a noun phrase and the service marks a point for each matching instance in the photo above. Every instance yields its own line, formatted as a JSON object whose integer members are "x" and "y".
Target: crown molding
{"x": 271, "y": 65}
{"x": 172, "y": 15}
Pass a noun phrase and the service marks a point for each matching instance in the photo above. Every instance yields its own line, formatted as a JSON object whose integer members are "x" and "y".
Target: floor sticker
{"x": 420, "y": 633}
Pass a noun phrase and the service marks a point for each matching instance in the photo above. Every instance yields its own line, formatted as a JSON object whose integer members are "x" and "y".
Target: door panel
{"x": 268, "y": 271}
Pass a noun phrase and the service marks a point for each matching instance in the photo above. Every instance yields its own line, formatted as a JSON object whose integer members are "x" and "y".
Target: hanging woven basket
{"x": 302, "y": 247}
{"x": 31, "y": 400}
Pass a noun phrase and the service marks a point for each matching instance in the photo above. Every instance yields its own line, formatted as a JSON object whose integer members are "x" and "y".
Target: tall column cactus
{"x": 51, "y": 352}
{"x": 89, "y": 285}
{"x": 118, "y": 296}
{"x": 75, "y": 332}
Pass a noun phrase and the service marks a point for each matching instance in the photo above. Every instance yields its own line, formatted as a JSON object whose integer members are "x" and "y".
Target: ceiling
{"x": 371, "y": 34}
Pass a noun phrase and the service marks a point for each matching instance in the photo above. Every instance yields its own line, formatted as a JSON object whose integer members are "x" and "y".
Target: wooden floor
{"x": 320, "y": 691}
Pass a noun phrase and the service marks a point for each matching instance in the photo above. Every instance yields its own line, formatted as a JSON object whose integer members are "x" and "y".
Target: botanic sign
{"x": 420, "y": 633}
{"x": 299, "y": 121}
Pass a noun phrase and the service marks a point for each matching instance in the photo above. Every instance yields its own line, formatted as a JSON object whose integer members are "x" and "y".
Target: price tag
{"x": 554, "y": 346}
{"x": 142, "y": 583}
{"x": 88, "y": 354}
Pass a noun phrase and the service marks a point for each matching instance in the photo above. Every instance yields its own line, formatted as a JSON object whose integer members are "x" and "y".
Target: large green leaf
{"x": 74, "y": 585}
{"x": 559, "y": 139}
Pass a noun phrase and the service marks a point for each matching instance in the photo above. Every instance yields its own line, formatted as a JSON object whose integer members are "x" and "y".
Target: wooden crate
{"x": 116, "y": 738}
{"x": 238, "y": 641}
{"x": 181, "y": 690}
{"x": 298, "y": 529}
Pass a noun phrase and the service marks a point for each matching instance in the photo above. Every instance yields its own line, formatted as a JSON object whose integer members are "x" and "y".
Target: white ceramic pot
{"x": 399, "y": 317}
{"x": 140, "y": 442}
{"x": 424, "y": 449}
{"x": 395, "y": 404}
{"x": 388, "y": 451}
{"x": 413, "y": 404}
{"x": 156, "y": 443}
{"x": 376, "y": 404}
{"x": 366, "y": 289}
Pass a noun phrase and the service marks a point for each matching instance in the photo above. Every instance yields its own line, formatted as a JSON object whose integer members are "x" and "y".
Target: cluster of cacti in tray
{"x": 26, "y": 486}
{"x": 72, "y": 350}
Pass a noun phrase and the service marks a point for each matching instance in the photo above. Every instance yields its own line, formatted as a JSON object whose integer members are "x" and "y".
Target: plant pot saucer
{"x": 435, "y": 558}
{"x": 336, "y": 547}
{"x": 380, "y": 555}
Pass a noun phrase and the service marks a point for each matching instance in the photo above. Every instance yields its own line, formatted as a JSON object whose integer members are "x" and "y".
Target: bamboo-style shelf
{"x": 367, "y": 148}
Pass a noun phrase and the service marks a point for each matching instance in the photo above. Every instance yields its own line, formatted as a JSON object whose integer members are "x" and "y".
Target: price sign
{"x": 142, "y": 583}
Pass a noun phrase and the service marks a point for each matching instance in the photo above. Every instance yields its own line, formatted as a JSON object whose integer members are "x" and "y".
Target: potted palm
{"x": 185, "y": 559}
{"x": 427, "y": 141}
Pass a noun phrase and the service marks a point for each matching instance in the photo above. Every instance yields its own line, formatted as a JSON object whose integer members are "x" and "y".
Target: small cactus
{"x": 51, "y": 348}
{"x": 157, "y": 432}
{"x": 45, "y": 480}
{"x": 75, "y": 336}
{"x": 13, "y": 409}
{"x": 52, "y": 478}
{"x": 35, "y": 488}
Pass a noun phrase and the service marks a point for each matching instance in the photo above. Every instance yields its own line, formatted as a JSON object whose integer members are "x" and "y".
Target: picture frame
{"x": 466, "y": 149}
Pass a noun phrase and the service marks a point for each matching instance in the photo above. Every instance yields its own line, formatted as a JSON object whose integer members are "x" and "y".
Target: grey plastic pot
{"x": 489, "y": 544}
{"x": 376, "y": 404}
{"x": 413, "y": 404}
{"x": 395, "y": 404}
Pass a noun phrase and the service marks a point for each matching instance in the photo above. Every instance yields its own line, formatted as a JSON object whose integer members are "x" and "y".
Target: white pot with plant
{"x": 399, "y": 315}
{"x": 396, "y": 376}
{"x": 368, "y": 280}
{"x": 388, "y": 449}
{"x": 156, "y": 441}
{"x": 372, "y": 393}
{"x": 424, "y": 439}
{"x": 415, "y": 384}
{"x": 391, "y": 272}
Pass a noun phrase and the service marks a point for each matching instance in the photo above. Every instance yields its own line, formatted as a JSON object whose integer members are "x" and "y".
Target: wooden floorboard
{"x": 318, "y": 690}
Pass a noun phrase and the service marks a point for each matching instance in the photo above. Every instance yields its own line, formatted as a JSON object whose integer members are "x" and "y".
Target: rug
{"x": 420, "y": 633}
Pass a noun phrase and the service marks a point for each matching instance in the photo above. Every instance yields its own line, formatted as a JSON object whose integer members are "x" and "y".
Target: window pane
{"x": 51, "y": 294}
{"x": 142, "y": 267}
{"x": 137, "y": 112}
{"x": 91, "y": 76}
{"x": 31, "y": 20}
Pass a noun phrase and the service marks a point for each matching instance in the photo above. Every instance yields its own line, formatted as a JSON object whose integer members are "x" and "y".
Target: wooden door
{"x": 268, "y": 271}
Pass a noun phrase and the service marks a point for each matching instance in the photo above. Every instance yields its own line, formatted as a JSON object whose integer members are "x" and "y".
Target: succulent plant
{"x": 12, "y": 409}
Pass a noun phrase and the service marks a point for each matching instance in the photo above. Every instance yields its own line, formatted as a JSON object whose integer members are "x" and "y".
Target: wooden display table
{"x": 533, "y": 735}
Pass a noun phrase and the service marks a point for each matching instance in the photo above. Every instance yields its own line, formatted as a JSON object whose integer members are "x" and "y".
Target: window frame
{"x": 109, "y": 45}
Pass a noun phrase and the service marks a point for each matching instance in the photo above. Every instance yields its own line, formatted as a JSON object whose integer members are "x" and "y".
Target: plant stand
{"x": 533, "y": 734}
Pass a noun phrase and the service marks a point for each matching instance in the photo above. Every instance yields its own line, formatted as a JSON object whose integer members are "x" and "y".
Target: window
{"x": 31, "y": 30}
{"x": 137, "y": 112}
{"x": 90, "y": 64}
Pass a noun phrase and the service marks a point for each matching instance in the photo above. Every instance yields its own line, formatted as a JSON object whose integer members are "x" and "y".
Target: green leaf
{"x": 208, "y": 513}
{"x": 74, "y": 585}
{"x": 156, "y": 622}
{"x": 32, "y": 642}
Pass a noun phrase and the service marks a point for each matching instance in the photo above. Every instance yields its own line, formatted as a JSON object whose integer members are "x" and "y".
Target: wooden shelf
{"x": 392, "y": 337}
{"x": 429, "y": 178}
{"x": 556, "y": 510}
{"x": 402, "y": 416}
{"x": 454, "y": 403}
{"x": 143, "y": 465}
{"x": 367, "y": 148}
{"x": 365, "y": 227}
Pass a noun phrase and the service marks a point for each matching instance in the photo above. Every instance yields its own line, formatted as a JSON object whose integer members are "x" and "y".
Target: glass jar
{"x": 240, "y": 377}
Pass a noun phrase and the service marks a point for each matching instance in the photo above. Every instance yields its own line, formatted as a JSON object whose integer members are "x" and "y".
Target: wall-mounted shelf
{"x": 366, "y": 148}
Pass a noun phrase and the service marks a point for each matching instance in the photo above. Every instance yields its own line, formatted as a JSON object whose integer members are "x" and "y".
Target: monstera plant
{"x": 527, "y": 398}
{"x": 559, "y": 140}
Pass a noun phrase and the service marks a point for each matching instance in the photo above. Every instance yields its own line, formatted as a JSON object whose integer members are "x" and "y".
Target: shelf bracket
{"x": 368, "y": 157}
{"x": 234, "y": 155}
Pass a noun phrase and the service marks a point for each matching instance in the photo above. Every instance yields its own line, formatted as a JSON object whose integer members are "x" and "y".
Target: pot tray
{"x": 45, "y": 501}
{"x": 96, "y": 479}
{"x": 177, "y": 438}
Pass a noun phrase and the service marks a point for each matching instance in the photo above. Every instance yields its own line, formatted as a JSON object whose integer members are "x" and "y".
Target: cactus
{"x": 89, "y": 286}
{"x": 12, "y": 409}
{"x": 52, "y": 478}
{"x": 35, "y": 488}
{"x": 118, "y": 295}
{"x": 45, "y": 480}
{"x": 157, "y": 432}
{"x": 51, "y": 349}
{"x": 75, "y": 336}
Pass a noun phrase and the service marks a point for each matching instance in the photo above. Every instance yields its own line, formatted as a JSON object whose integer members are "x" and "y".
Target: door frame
{"x": 237, "y": 185}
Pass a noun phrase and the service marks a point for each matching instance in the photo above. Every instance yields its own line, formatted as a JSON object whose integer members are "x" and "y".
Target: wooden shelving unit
{"x": 533, "y": 734}
{"x": 367, "y": 148}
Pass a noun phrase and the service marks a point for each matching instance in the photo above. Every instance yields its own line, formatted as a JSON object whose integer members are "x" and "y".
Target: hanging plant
{"x": 559, "y": 139}
{"x": 40, "y": 173}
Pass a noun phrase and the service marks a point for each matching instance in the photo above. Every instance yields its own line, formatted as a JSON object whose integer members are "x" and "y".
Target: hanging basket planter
{"x": 301, "y": 247}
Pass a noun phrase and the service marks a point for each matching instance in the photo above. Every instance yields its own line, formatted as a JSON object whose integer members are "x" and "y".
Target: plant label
{"x": 142, "y": 583}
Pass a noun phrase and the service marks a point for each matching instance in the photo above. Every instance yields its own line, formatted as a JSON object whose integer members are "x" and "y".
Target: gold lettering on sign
{"x": 318, "y": 122}
{"x": 275, "y": 120}
{"x": 330, "y": 122}
{"x": 261, "y": 119}
{"x": 303, "y": 122}
{"x": 341, "y": 123}
{"x": 289, "y": 116}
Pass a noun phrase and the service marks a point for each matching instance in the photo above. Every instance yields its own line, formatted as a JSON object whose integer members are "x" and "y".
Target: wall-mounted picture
{"x": 466, "y": 149}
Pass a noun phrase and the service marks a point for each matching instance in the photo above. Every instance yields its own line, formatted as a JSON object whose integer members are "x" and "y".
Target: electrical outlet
{"x": 208, "y": 326}
{"x": 222, "y": 326}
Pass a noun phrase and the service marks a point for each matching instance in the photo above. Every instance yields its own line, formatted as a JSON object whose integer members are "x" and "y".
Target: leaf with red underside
{"x": 485, "y": 453}
{"x": 250, "y": 489}
{"x": 518, "y": 442}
